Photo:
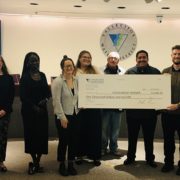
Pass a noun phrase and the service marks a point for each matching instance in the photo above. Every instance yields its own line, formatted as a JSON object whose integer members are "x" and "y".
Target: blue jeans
{"x": 110, "y": 129}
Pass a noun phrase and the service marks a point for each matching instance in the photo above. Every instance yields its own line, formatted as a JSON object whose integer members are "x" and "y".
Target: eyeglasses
{"x": 113, "y": 58}
{"x": 68, "y": 66}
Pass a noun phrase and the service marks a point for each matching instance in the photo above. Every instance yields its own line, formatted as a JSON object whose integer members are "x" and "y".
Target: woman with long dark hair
{"x": 6, "y": 101}
{"x": 34, "y": 93}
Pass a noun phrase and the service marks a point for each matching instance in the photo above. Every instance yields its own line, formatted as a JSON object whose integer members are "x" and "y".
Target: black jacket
{"x": 6, "y": 92}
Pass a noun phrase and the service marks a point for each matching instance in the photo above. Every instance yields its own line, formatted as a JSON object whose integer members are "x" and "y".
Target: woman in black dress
{"x": 6, "y": 100}
{"x": 90, "y": 119}
{"x": 34, "y": 93}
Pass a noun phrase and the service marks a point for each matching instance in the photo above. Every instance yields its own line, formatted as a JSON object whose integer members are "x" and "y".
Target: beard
{"x": 176, "y": 61}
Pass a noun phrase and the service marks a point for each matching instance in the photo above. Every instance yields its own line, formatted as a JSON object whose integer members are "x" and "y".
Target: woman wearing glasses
{"x": 90, "y": 119}
{"x": 65, "y": 97}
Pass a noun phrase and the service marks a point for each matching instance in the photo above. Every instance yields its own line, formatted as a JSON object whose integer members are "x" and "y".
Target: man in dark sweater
{"x": 171, "y": 117}
{"x": 137, "y": 118}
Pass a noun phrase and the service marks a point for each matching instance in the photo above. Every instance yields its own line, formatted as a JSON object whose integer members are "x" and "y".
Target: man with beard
{"x": 145, "y": 118}
{"x": 171, "y": 117}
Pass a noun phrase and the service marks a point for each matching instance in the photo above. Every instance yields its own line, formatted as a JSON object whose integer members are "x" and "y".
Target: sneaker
{"x": 178, "y": 171}
{"x": 129, "y": 161}
{"x": 167, "y": 168}
{"x": 152, "y": 164}
{"x": 116, "y": 153}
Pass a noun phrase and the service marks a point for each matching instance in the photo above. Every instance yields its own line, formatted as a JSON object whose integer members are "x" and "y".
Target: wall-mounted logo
{"x": 120, "y": 38}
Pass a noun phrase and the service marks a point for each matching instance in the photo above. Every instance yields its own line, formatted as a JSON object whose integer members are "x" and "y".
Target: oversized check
{"x": 124, "y": 91}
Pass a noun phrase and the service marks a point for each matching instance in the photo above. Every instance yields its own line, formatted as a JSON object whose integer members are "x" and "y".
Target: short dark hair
{"x": 142, "y": 51}
{"x": 65, "y": 58}
{"x": 176, "y": 47}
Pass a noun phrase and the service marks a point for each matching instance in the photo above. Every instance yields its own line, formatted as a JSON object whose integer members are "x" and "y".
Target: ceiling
{"x": 92, "y": 8}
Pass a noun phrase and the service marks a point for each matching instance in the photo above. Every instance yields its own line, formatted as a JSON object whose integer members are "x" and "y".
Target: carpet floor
{"x": 112, "y": 167}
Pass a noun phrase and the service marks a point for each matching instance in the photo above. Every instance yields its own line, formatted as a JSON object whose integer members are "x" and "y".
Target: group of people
{"x": 82, "y": 132}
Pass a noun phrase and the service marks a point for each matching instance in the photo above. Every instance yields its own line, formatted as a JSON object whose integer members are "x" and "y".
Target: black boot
{"x": 39, "y": 169}
{"x": 31, "y": 169}
{"x": 71, "y": 169}
{"x": 62, "y": 169}
{"x": 167, "y": 168}
{"x": 152, "y": 163}
{"x": 129, "y": 161}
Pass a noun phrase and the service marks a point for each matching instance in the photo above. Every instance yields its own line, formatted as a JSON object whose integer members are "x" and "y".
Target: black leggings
{"x": 4, "y": 123}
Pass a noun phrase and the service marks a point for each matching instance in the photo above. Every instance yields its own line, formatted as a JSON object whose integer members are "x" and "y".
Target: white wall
{"x": 52, "y": 37}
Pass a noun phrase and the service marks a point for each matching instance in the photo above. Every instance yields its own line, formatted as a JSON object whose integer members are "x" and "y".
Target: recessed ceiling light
{"x": 165, "y": 8}
{"x": 121, "y": 7}
{"x": 77, "y": 6}
{"x": 34, "y": 4}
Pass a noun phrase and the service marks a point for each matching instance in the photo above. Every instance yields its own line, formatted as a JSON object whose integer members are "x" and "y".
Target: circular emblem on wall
{"x": 120, "y": 38}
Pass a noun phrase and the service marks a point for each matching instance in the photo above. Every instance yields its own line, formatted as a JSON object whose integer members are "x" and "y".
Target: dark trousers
{"x": 170, "y": 124}
{"x": 4, "y": 122}
{"x": 68, "y": 138}
{"x": 148, "y": 125}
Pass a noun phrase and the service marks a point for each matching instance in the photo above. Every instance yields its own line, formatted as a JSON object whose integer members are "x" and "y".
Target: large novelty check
{"x": 124, "y": 91}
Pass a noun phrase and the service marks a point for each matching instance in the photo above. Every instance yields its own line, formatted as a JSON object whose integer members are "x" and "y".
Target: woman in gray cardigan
{"x": 65, "y": 98}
